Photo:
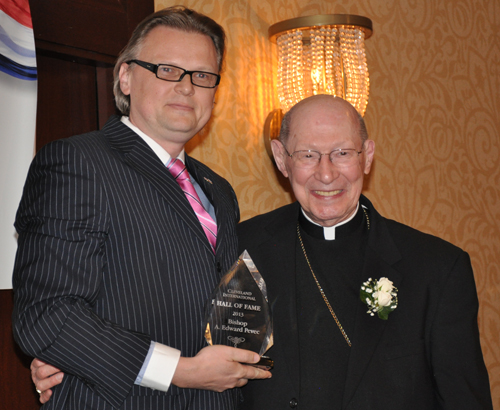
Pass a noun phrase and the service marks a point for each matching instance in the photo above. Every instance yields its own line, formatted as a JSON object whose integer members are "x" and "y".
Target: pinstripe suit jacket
{"x": 110, "y": 257}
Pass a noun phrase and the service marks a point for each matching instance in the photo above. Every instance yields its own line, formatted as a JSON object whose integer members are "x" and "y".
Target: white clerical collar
{"x": 157, "y": 148}
{"x": 329, "y": 231}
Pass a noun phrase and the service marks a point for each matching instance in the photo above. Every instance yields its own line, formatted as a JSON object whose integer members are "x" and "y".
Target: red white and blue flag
{"x": 17, "y": 47}
{"x": 18, "y": 95}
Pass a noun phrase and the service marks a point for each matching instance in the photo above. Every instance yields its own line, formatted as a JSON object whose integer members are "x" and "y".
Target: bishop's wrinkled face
{"x": 327, "y": 192}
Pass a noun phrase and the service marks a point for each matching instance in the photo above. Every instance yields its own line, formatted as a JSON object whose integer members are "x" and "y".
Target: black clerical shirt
{"x": 338, "y": 265}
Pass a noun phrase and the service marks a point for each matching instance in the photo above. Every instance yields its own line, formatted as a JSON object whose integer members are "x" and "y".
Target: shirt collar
{"x": 157, "y": 148}
{"x": 329, "y": 231}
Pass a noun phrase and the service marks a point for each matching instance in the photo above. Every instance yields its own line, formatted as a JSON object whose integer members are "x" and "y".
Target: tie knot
{"x": 178, "y": 169}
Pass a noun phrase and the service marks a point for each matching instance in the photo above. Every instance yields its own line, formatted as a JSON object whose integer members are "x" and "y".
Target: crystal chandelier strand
{"x": 338, "y": 67}
{"x": 355, "y": 68}
{"x": 346, "y": 62}
{"x": 289, "y": 72}
{"x": 363, "y": 71}
{"x": 307, "y": 66}
{"x": 290, "y": 69}
{"x": 318, "y": 59}
{"x": 358, "y": 81}
{"x": 330, "y": 87}
{"x": 348, "y": 58}
{"x": 297, "y": 87}
{"x": 282, "y": 56}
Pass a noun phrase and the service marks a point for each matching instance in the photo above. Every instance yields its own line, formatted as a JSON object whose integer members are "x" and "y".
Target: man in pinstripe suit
{"x": 113, "y": 267}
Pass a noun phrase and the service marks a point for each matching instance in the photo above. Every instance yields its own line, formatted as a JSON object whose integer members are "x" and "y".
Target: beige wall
{"x": 433, "y": 111}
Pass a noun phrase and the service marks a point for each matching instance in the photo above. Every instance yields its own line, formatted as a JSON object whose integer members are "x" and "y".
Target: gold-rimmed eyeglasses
{"x": 340, "y": 157}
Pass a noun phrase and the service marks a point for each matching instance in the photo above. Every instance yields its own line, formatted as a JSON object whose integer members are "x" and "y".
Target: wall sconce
{"x": 322, "y": 54}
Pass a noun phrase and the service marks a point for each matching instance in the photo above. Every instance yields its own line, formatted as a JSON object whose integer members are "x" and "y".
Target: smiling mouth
{"x": 328, "y": 193}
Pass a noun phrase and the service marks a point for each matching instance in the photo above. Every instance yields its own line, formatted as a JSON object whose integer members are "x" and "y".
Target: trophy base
{"x": 265, "y": 363}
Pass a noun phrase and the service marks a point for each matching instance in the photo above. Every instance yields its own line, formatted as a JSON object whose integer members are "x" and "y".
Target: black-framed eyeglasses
{"x": 340, "y": 157}
{"x": 172, "y": 73}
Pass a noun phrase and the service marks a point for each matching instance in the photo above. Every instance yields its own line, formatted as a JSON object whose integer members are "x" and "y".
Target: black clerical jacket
{"x": 425, "y": 356}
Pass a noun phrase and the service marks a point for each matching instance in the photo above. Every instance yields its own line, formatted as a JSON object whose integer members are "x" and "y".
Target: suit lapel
{"x": 381, "y": 254}
{"x": 143, "y": 160}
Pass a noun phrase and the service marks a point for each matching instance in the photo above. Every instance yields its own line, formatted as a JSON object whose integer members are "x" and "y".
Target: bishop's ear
{"x": 369, "y": 148}
{"x": 279, "y": 156}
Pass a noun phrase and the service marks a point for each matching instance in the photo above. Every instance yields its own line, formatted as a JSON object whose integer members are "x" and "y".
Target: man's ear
{"x": 369, "y": 154}
{"x": 279, "y": 156}
{"x": 124, "y": 76}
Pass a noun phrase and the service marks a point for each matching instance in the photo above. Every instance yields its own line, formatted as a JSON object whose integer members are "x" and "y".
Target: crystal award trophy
{"x": 238, "y": 313}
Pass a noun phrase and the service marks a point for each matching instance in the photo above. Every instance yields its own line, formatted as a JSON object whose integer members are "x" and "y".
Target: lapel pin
{"x": 206, "y": 179}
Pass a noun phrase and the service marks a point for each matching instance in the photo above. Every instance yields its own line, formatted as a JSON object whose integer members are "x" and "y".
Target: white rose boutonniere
{"x": 380, "y": 296}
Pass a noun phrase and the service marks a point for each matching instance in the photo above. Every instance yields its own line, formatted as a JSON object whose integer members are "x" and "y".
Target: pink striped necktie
{"x": 179, "y": 172}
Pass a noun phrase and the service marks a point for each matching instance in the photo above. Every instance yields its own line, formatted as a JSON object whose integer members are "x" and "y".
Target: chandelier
{"x": 322, "y": 54}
